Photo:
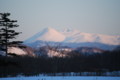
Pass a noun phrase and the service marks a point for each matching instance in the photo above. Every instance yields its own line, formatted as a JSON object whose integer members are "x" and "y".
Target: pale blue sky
{"x": 92, "y": 16}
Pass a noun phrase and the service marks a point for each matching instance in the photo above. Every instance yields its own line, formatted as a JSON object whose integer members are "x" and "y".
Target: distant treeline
{"x": 28, "y": 66}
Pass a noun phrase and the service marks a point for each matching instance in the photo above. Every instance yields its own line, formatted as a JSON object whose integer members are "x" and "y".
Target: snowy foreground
{"x": 63, "y": 78}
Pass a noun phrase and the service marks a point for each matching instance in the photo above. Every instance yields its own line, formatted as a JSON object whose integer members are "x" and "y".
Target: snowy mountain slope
{"x": 47, "y": 34}
{"x": 26, "y": 51}
{"x": 73, "y": 36}
{"x": 16, "y": 50}
{"x": 78, "y": 37}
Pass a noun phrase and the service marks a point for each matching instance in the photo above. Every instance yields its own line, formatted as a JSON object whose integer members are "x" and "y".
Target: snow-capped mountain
{"x": 48, "y": 34}
{"x": 73, "y": 36}
{"x": 73, "y": 39}
{"x": 78, "y": 37}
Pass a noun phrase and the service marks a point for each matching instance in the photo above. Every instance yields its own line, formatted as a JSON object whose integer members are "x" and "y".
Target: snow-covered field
{"x": 62, "y": 78}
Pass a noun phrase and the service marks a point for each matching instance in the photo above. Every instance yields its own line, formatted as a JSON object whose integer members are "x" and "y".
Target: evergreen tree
{"x": 7, "y": 33}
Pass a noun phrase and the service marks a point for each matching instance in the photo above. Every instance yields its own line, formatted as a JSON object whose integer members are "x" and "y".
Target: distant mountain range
{"x": 73, "y": 38}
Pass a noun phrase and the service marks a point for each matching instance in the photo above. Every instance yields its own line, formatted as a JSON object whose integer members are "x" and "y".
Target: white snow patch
{"x": 52, "y": 53}
{"x": 15, "y": 50}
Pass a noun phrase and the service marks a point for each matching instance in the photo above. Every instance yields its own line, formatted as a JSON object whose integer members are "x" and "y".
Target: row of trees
{"x": 98, "y": 63}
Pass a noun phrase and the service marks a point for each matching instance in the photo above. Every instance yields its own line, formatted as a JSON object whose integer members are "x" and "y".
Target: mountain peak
{"x": 67, "y": 30}
{"x": 49, "y": 29}
{"x": 48, "y": 34}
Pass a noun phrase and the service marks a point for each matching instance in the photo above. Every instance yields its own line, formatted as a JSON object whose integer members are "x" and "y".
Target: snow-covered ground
{"x": 16, "y": 50}
{"x": 62, "y": 78}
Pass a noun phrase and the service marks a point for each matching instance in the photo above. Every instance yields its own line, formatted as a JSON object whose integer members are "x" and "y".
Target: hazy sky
{"x": 92, "y": 16}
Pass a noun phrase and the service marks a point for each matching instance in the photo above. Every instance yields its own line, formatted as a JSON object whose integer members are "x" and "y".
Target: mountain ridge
{"x": 73, "y": 36}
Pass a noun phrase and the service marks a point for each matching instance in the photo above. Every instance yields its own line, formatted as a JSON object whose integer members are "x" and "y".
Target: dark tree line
{"x": 99, "y": 63}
